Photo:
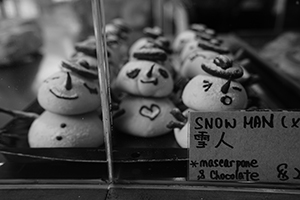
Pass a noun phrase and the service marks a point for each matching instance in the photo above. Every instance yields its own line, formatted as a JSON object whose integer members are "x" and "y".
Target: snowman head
{"x": 67, "y": 93}
{"x": 217, "y": 91}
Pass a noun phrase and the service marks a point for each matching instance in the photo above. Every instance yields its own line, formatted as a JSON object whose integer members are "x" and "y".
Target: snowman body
{"x": 70, "y": 118}
{"x": 146, "y": 85}
{"x": 217, "y": 91}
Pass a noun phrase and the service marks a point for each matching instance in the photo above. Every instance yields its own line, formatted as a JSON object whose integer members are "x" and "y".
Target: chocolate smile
{"x": 61, "y": 95}
{"x": 154, "y": 82}
{"x": 196, "y": 55}
{"x": 226, "y": 100}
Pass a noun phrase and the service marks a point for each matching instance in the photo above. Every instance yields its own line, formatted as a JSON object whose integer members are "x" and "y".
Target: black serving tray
{"x": 15, "y": 148}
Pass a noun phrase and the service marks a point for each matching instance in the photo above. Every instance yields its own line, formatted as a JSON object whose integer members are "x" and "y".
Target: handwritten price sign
{"x": 257, "y": 146}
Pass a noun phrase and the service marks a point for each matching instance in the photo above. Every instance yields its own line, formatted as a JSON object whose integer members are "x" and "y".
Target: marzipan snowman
{"x": 147, "y": 85}
{"x": 191, "y": 37}
{"x": 70, "y": 98}
{"x": 70, "y": 118}
{"x": 204, "y": 93}
{"x": 119, "y": 31}
{"x": 86, "y": 55}
{"x": 191, "y": 34}
{"x": 196, "y": 53}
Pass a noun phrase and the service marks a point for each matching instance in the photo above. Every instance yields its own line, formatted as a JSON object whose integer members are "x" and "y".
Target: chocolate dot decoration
{"x": 63, "y": 125}
{"x": 59, "y": 138}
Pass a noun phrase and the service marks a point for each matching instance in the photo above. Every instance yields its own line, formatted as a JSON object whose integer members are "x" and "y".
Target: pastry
{"x": 144, "y": 117}
{"x": 150, "y": 34}
{"x": 68, "y": 94}
{"x": 145, "y": 78}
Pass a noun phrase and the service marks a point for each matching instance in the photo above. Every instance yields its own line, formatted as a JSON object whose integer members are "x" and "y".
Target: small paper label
{"x": 256, "y": 146}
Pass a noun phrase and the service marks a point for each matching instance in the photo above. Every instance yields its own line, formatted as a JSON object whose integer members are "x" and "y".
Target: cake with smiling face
{"x": 70, "y": 98}
{"x": 218, "y": 92}
{"x": 66, "y": 93}
{"x": 145, "y": 76}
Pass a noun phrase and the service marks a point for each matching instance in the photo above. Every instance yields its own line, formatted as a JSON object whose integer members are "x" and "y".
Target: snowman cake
{"x": 146, "y": 104}
{"x": 150, "y": 34}
{"x": 218, "y": 91}
{"x": 70, "y": 99}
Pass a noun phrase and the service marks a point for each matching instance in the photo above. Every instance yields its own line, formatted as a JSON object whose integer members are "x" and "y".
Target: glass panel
{"x": 154, "y": 87}
{"x": 51, "y": 126}
{"x": 155, "y": 49}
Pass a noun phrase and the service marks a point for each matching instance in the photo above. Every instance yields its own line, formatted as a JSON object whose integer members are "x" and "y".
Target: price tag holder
{"x": 251, "y": 146}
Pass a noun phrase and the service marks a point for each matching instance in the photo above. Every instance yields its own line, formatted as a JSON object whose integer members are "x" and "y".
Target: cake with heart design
{"x": 146, "y": 86}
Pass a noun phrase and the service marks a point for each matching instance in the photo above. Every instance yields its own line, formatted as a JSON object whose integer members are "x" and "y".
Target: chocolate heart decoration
{"x": 150, "y": 112}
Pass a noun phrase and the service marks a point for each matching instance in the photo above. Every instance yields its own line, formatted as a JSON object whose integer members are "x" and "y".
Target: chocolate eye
{"x": 53, "y": 78}
{"x": 134, "y": 73}
{"x": 206, "y": 85}
{"x": 91, "y": 90}
{"x": 84, "y": 64}
{"x": 163, "y": 73}
{"x": 63, "y": 125}
{"x": 237, "y": 88}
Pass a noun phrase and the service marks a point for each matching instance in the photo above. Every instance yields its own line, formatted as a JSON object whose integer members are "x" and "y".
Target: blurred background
{"x": 49, "y": 29}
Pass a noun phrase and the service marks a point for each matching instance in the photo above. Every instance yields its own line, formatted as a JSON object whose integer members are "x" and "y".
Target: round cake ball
{"x": 53, "y": 130}
{"x": 209, "y": 93}
{"x": 145, "y": 78}
{"x": 67, "y": 93}
{"x": 150, "y": 34}
{"x": 145, "y": 117}
{"x": 192, "y": 65}
{"x": 182, "y": 39}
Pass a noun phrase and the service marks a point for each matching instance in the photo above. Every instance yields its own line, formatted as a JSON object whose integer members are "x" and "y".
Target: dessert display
{"x": 155, "y": 82}
{"x": 218, "y": 91}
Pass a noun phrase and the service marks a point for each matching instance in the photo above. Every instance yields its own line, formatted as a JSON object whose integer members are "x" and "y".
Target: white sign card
{"x": 255, "y": 146}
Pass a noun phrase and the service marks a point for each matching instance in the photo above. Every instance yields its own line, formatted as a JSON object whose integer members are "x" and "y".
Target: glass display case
{"x": 107, "y": 99}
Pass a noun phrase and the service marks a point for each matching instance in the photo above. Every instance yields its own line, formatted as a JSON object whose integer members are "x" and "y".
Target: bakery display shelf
{"x": 130, "y": 150}
{"x": 15, "y": 146}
